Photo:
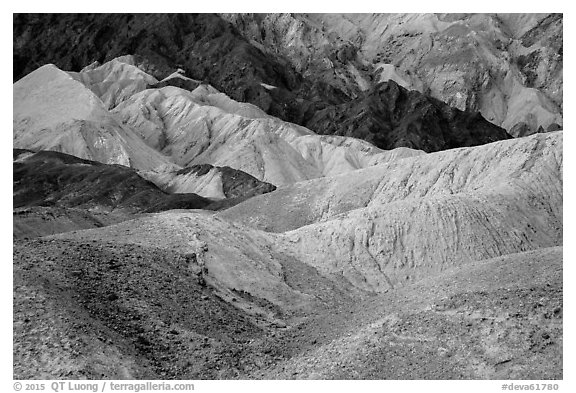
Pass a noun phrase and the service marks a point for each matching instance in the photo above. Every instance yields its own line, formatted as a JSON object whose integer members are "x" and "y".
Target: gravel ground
{"x": 90, "y": 309}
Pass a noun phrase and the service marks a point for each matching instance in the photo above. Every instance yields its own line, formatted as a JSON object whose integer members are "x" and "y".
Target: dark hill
{"x": 390, "y": 116}
{"x": 49, "y": 178}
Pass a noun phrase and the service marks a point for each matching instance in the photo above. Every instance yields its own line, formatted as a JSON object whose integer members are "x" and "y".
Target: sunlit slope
{"x": 404, "y": 220}
{"x": 53, "y": 111}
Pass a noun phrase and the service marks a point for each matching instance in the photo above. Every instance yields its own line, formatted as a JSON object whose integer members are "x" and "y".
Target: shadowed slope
{"x": 390, "y": 116}
{"x": 51, "y": 178}
{"x": 55, "y": 192}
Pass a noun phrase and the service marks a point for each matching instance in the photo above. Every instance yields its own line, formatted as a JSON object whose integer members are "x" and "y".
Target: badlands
{"x": 197, "y": 197}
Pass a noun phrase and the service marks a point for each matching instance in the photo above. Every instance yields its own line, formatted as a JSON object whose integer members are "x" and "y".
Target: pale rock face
{"x": 388, "y": 72}
{"x": 531, "y": 107}
{"x": 207, "y": 127}
{"x": 53, "y": 111}
{"x": 208, "y": 185}
{"x": 179, "y": 73}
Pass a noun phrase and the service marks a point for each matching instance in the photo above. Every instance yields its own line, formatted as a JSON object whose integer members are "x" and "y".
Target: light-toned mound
{"x": 53, "y": 111}
{"x": 404, "y": 220}
{"x": 207, "y": 127}
{"x": 106, "y": 113}
{"x": 208, "y": 185}
{"x": 231, "y": 258}
{"x": 114, "y": 81}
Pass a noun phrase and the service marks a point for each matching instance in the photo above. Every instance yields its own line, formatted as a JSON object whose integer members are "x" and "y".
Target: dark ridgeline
{"x": 389, "y": 116}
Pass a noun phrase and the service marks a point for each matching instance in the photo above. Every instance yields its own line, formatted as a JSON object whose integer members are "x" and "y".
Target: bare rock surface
{"x": 101, "y": 311}
{"x": 115, "y": 81}
{"x": 235, "y": 259}
{"x": 205, "y": 126}
{"x": 485, "y": 202}
{"x": 107, "y": 114}
{"x": 502, "y": 168}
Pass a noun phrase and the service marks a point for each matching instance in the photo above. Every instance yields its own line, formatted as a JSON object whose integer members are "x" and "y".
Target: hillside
{"x": 379, "y": 244}
{"x": 105, "y": 114}
{"x": 55, "y": 192}
{"x": 288, "y": 196}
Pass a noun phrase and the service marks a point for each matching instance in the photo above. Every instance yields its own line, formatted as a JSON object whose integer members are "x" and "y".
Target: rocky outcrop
{"x": 49, "y": 178}
{"x": 212, "y": 182}
{"x": 390, "y": 116}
